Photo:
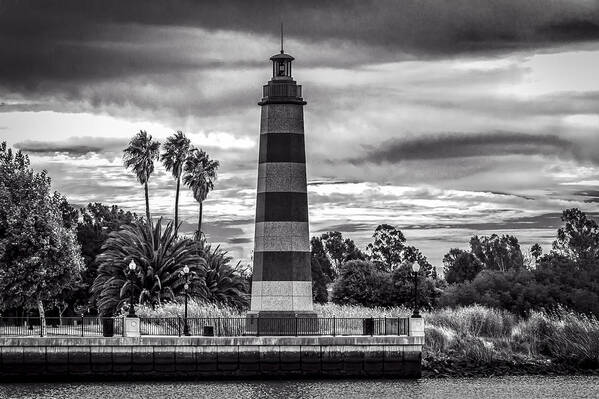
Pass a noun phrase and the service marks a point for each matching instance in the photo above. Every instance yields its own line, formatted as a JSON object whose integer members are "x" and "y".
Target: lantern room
{"x": 281, "y": 66}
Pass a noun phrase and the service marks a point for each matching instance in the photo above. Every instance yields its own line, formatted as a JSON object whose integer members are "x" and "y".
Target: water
{"x": 495, "y": 387}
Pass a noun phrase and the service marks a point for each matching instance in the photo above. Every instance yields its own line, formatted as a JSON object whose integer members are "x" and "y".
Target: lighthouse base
{"x": 282, "y": 323}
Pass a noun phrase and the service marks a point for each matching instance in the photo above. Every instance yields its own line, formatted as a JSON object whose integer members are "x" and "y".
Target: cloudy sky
{"x": 444, "y": 118}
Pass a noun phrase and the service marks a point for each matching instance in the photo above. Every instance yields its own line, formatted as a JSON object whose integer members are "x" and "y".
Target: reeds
{"x": 562, "y": 335}
{"x": 475, "y": 334}
{"x": 195, "y": 309}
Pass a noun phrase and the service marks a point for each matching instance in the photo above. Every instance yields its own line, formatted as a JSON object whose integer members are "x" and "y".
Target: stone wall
{"x": 209, "y": 357}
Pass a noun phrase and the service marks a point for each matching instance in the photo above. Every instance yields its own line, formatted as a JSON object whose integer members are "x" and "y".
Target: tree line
{"x": 494, "y": 271}
{"x": 73, "y": 261}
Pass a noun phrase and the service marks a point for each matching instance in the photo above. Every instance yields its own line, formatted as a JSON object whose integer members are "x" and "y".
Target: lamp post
{"x": 185, "y": 273}
{"x": 415, "y": 270}
{"x": 132, "y": 267}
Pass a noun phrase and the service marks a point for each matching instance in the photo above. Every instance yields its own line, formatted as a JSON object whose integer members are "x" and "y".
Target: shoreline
{"x": 447, "y": 367}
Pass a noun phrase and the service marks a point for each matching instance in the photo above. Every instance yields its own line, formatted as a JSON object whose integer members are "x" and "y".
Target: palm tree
{"x": 200, "y": 173}
{"x": 176, "y": 150}
{"x": 158, "y": 274}
{"x": 140, "y": 156}
{"x": 224, "y": 284}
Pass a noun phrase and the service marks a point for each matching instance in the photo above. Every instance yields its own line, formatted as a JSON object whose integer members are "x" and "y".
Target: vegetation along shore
{"x": 495, "y": 308}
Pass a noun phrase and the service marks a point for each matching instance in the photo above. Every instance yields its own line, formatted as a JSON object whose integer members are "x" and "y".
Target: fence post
{"x": 296, "y": 318}
{"x": 179, "y": 325}
{"x": 258, "y": 325}
{"x": 334, "y": 325}
{"x": 82, "y": 326}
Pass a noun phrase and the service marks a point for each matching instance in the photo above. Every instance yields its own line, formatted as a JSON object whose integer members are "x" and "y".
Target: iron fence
{"x": 60, "y": 326}
{"x": 205, "y": 326}
{"x": 287, "y": 326}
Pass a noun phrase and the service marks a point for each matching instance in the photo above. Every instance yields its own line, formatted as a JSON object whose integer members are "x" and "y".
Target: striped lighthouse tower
{"x": 282, "y": 279}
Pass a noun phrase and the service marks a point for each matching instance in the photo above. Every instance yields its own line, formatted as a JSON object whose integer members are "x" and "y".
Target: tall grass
{"x": 473, "y": 320}
{"x": 475, "y": 334}
{"x": 350, "y": 311}
{"x": 563, "y": 335}
{"x": 195, "y": 309}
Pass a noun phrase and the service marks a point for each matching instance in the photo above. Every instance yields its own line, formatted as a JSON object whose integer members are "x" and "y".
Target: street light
{"x": 132, "y": 267}
{"x": 415, "y": 269}
{"x": 185, "y": 273}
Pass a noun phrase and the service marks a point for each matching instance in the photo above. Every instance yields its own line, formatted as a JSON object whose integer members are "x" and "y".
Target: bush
{"x": 515, "y": 291}
{"x": 475, "y": 349}
{"x": 361, "y": 283}
{"x": 437, "y": 338}
{"x": 562, "y": 335}
{"x": 475, "y": 320}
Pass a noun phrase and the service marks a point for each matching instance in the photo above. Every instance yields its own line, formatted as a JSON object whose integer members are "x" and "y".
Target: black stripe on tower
{"x": 282, "y": 147}
{"x": 281, "y": 207}
{"x": 282, "y": 266}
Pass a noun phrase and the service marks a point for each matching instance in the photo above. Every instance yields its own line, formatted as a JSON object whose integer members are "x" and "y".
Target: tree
{"x": 411, "y": 255}
{"x": 387, "y": 248}
{"x": 513, "y": 290}
{"x": 361, "y": 283}
{"x": 401, "y": 289}
{"x": 578, "y": 239}
{"x": 319, "y": 282}
{"x": 498, "y": 252}
{"x": 176, "y": 151}
{"x": 318, "y": 254}
{"x": 536, "y": 251}
{"x": 97, "y": 222}
{"x": 140, "y": 156}
{"x": 389, "y": 251}
{"x": 160, "y": 256}
{"x": 223, "y": 284}
{"x": 460, "y": 266}
{"x": 39, "y": 254}
{"x": 339, "y": 250}
{"x": 200, "y": 173}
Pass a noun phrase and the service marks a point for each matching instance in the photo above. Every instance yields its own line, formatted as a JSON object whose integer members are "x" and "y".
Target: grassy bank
{"x": 473, "y": 340}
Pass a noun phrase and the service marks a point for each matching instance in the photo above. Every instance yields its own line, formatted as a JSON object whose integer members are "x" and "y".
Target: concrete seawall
{"x": 201, "y": 357}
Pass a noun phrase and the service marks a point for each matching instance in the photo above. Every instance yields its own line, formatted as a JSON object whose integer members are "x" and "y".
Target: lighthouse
{"x": 282, "y": 278}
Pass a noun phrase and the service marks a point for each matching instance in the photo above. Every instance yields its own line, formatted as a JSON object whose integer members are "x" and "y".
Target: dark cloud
{"x": 542, "y": 221}
{"x": 345, "y": 228}
{"x": 74, "y": 146}
{"x": 239, "y": 240}
{"x": 92, "y": 40}
{"x": 591, "y": 195}
{"x": 465, "y": 145}
{"x": 564, "y": 103}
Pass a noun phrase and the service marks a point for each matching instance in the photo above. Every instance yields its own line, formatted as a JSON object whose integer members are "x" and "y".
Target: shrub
{"x": 474, "y": 349}
{"x": 160, "y": 256}
{"x": 223, "y": 283}
{"x": 438, "y": 339}
{"x": 475, "y": 320}
{"x": 360, "y": 283}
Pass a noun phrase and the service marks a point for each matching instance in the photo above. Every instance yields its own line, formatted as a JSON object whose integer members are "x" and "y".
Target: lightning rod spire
{"x": 282, "y": 38}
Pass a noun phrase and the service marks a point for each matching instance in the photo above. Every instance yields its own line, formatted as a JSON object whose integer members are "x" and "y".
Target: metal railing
{"x": 63, "y": 326}
{"x": 213, "y": 326}
{"x": 285, "y": 326}
{"x": 281, "y": 90}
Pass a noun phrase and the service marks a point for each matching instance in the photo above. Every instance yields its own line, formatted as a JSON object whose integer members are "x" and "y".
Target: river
{"x": 494, "y": 387}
